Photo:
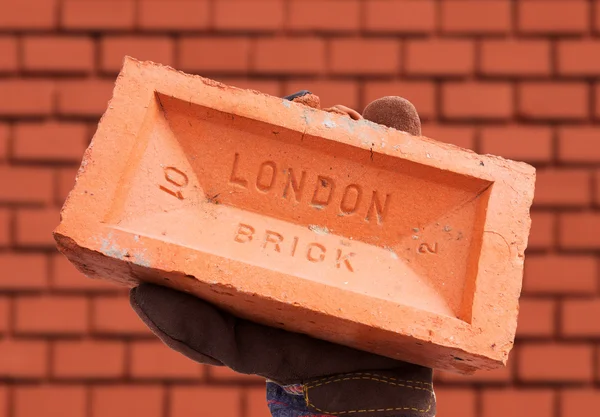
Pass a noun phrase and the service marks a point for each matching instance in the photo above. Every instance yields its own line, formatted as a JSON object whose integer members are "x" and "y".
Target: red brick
{"x": 8, "y": 54}
{"x": 579, "y": 57}
{"x": 501, "y": 375}
{"x": 518, "y": 142}
{"x": 536, "y": 317}
{"x": 475, "y": 16}
{"x": 88, "y": 359}
{"x": 49, "y": 400}
{"x": 23, "y": 358}
{"x": 272, "y": 87}
{"x": 64, "y": 315}
{"x": 4, "y": 401}
{"x": 453, "y": 402}
{"x": 579, "y": 402}
{"x": 400, "y": 16}
{"x": 84, "y": 97}
{"x": 579, "y": 230}
{"x": 510, "y": 57}
{"x": 5, "y": 227}
{"x": 543, "y": 227}
{"x": 58, "y": 54}
{"x": 66, "y": 277}
{"x": 26, "y": 185}
{"x": 256, "y": 403}
{"x": 179, "y": 15}
{"x": 223, "y": 55}
{"x": 331, "y": 92}
{"x": 114, "y": 315}
{"x": 560, "y": 274}
{"x": 597, "y": 101}
{"x": 128, "y": 401}
{"x": 553, "y": 362}
{"x": 596, "y": 16}
{"x": 23, "y": 271}
{"x": 364, "y": 56}
{"x": 156, "y": 360}
{"x": 289, "y": 55}
{"x": 420, "y": 93}
{"x": 5, "y": 316}
{"x": 562, "y": 187}
{"x": 518, "y": 403}
{"x": 156, "y": 48}
{"x": 205, "y": 401}
{"x": 553, "y": 16}
{"x": 249, "y": 15}
{"x": 34, "y": 226}
{"x": 5, "y": 132}
{"x": 225, "y": 374}
{"x": 49, "y": 141}
{"x": 554, "y": 101}
{"x": 477, "y": 100}
{"x": 27, "y": 97}
{"x": 579, "y": 144}
{"x": 578, "y": 317}
{"x": 459, "y": 135}
{"x": 440, "y": 57}
{"x": 28, "y": 14}
{"x": 98, "y": 14}
{"x": 515, "y": 188}
{"x": 324, "y": 15}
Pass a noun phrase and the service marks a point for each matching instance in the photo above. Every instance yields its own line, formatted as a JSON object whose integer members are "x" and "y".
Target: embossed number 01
{"x": 177, "y": 179}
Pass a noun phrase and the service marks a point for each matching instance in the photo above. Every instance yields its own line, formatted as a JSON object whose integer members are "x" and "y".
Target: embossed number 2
{"x": 178, "y": 181}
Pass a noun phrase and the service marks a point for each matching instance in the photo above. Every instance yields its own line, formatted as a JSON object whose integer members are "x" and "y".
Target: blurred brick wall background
{"x": 514, "y": 78}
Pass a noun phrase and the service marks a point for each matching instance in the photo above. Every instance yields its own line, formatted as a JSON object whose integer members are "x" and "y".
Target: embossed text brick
{"x": 294, "y": 217}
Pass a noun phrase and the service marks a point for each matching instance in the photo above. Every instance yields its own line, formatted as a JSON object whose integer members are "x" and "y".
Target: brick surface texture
{"x": 518, "y": 78}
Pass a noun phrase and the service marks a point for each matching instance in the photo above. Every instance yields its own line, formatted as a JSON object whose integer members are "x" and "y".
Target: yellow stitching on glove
{"x": 368, "y": 376}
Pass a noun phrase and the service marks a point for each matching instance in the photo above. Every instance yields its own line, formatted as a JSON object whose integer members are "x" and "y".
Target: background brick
{"x": 517, "y": 403}
{"x": 105, "y": 15}
{"x": 70, "y": 315}
{"x": 203, "y": 401}
{"x": 23, "y": 359}
{"x": 64, "y": 401}
{"x": 556, "y": 363}
{"x": 49, "y": 141}
{"x": 518, "y": 79}
{"x": 249, "y": 15}
{"x": 155, "y": 360}
{"x": 477, "y": 100}
{"x": 476, "y": 17}
{"x": 400, "y": 16}
{"x": 553, "y": 16}
{"x": 93, "y": 359}
{"x": 128, "y": 400}
{"x": 552, "y": 101}
{"x": 58, "y": 54}
{"x": 8, "y": 54}
{"x": 324, "y": 15}
{"x": 515, "y": 57}
{"x": 177, "y": 15}
{"x": 545, "y": 274}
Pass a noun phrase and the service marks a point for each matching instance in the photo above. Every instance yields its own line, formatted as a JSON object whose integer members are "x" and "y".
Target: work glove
{"x": 305, "y": 376}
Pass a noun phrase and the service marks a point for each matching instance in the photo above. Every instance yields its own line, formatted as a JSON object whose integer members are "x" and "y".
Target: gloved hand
{"x": 305, "y": 376}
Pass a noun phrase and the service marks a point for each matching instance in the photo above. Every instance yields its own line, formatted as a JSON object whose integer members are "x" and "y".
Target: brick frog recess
{"x": 303, "y": 219}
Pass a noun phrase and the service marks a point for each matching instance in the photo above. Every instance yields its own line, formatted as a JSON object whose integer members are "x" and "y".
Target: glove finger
{"x": 207, "y": 334}
{"x": 395, "y": 112}
{"x": 156, "y": 316}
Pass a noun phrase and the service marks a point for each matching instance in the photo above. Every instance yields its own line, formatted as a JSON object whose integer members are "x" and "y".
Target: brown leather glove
{"x": 306, "y": 376}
